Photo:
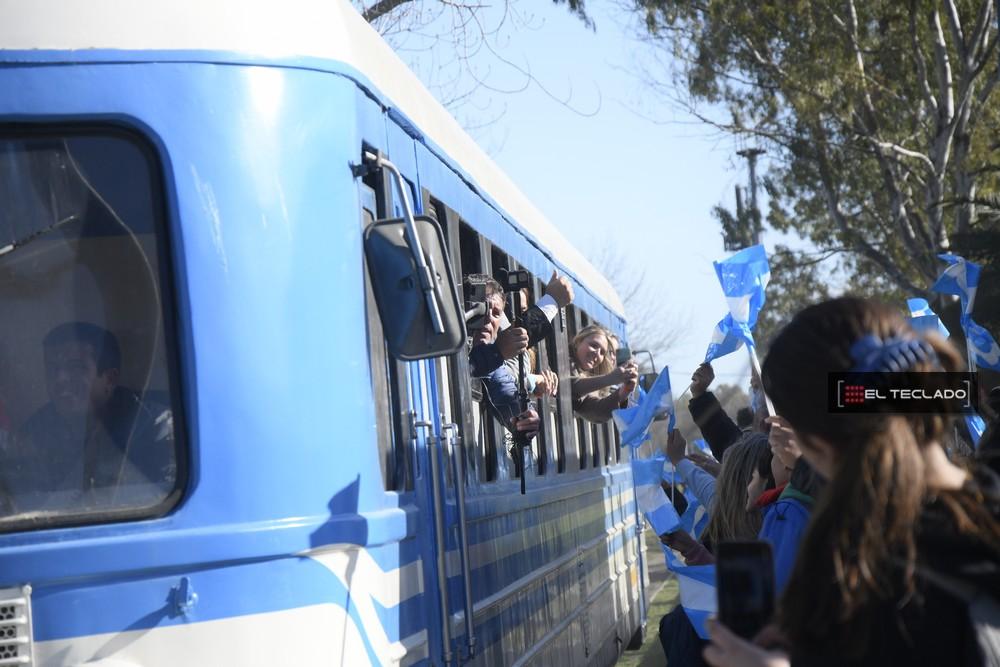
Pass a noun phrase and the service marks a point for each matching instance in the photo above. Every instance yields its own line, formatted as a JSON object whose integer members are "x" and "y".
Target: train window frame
{"x": 578, "y": 322}
{"x": 463, "y": 404}
{"x": 394, "y": 436}
{"x": 538, "y": 444}
{"x": 163, "y": 218}
{"x": 487, "y": 433}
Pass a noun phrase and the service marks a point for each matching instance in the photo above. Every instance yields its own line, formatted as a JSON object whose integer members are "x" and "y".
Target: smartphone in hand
{"x": 745, "y": 586}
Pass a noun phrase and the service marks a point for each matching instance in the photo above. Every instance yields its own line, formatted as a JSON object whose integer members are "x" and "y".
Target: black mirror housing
{"x": 402, "y": 303}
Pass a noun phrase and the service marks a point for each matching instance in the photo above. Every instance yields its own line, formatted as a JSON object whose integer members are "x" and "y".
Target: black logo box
{"x": 902, "y": 393}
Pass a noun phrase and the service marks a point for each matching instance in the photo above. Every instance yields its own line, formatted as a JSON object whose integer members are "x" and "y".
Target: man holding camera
{"x": 496, "y": 346}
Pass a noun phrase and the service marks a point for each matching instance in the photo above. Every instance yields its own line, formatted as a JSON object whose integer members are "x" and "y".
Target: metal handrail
{"x": 458, "y": 461}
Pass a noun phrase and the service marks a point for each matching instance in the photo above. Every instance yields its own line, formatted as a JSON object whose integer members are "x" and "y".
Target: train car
{"x": 216, "y": 448}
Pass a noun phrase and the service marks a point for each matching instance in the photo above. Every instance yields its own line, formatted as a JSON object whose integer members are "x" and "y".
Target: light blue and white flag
{"x": 697, "y": 587}
{"x": 743, "y": 278}
{"x": 922, "y": 318}
{"x": 961, "y": 278}
{"x": 652, "y": 501}
{"x": 985, "y": 351}
{"x": 695, "y": 517}
{"x": 726, "y": 338}
{"x": 702, "y": 446}
{"x": 973, "y": 422}
{"x": 633, "y": 423}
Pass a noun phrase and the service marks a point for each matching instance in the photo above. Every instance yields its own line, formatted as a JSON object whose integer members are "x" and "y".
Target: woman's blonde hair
{"x": 608, "y": 363}
{"x": 728, "y": 515}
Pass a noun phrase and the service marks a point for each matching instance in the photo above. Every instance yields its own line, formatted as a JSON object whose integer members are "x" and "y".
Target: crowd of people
{"x": 501, "y": 352}
{"x": 884, "y": 528}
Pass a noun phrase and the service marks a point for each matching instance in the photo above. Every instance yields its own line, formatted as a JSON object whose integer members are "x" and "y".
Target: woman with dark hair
{"x": 902, "y": 539}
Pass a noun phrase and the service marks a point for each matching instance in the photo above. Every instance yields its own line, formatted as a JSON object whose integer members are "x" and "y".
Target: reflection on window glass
{"x": 86, "y": 399}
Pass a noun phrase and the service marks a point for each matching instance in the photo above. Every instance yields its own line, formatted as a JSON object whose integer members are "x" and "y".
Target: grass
{"x": 650, "y": 654}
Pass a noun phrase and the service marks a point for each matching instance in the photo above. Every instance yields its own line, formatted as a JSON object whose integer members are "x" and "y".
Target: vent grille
{"x": 15, "y": 626}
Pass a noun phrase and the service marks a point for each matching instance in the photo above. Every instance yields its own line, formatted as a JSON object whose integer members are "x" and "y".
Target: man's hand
{"x": 527, "y": 422}
{"x": 560, "y": 289}
{"x": 546, "y": 384}
{"x": 693, "y": 552}
{"x": 702, "y": 379}
{"x": 783, "y": 441}
{"x": 512, "y": 342}
{"x": 676, "y": 446}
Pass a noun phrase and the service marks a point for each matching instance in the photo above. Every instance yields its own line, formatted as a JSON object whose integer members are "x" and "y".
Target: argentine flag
{"x": 702, "y": 447}
{"x": 984, "y": 349}
{"x": 922, "y": 318}
{"x": 726, "y": 338}
{"x": 976, "y": 427}
{"x": 633, "y": 423}
{"x": 961, "y": 278}
{"x": 653, "y": 502}
{"x": 743, "y": 278}
{"x": 695, "y": 517}
{"x": 697, "y": 587}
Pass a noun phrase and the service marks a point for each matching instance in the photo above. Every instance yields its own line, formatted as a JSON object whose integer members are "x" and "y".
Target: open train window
{"x": 390, "y": 391}
{"x": 577, "y": 322}
{"x": 90, "y": 424}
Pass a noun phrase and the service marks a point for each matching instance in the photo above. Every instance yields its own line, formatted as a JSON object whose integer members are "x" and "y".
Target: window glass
{"x": 87, "y": 399}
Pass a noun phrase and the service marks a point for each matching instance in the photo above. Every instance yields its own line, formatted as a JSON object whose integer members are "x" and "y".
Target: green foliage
{"x": 577, "y": 9}
{"x": 879, "y": 118}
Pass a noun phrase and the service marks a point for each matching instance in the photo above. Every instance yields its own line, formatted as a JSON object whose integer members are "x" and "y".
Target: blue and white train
{"x": 185, "y": 190}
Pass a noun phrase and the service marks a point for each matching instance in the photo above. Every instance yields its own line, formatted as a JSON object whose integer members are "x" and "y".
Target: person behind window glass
{"x": 94, "y": 437}
{"x": 597, "y": 386}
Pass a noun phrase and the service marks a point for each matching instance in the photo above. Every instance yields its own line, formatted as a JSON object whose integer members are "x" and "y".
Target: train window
{"x": 90, "y": 429}
{"x": 475, "y": 257}
{"x": 390, "y": 390}
{"x": 596, "y": 437}
{"x": 561, "y": 409}
{"x": 455, "y": 385}
{"x": 578, "y": 321}
{"x": 617, "y": 444}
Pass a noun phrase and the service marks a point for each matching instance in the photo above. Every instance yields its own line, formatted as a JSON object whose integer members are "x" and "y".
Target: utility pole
{"x": 751, "y": 155}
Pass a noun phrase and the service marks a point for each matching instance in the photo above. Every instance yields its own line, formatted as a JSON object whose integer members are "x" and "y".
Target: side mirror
{"x": 403, "y": 304}
{"x": 646, "y": 380}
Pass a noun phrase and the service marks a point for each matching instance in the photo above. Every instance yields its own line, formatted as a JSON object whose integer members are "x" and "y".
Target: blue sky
{"x": 615, "y": 176}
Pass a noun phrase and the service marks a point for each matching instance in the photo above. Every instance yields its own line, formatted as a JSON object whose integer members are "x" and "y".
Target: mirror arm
{"x": 424, "y": 272}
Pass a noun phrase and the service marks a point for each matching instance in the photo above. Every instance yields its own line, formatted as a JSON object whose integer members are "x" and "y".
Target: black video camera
{"x": 475, "y": 301}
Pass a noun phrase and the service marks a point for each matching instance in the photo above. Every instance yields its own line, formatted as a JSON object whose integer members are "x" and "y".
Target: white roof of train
{"x": 327, "y": 29}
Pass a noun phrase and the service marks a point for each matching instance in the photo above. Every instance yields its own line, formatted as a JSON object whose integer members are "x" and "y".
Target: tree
{"x": 650, "y": 325}
{"x": 460, "y": 45}
{"x": 797, "y": 281}
{"x": 879, "y": 119}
